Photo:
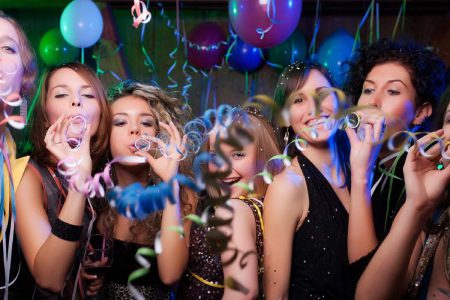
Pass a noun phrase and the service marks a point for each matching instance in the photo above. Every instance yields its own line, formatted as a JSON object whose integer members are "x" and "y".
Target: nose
{"x": 374, "y": 99}
{"x": 134, "y": 129}
{"x": 76, "y": 101}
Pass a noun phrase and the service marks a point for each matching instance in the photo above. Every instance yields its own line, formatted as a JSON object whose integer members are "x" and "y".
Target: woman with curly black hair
{"x": 414, "y": 259}
{"x": 400, "y": 83}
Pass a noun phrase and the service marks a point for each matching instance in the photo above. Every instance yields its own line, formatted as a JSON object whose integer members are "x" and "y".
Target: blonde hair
{"x": 166, "y": 109}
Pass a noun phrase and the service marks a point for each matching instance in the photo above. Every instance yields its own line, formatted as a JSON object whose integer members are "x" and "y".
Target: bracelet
{"x": 66, "y": 231}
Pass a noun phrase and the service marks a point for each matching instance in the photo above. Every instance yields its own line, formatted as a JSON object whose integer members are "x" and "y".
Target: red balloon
{"x": 264, "y": 23}
{"x": 206, "y": 45}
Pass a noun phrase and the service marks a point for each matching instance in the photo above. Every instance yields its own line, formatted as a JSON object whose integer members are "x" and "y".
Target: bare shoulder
{"x": 238, "y": 209}
{"x": 287, "y": 186}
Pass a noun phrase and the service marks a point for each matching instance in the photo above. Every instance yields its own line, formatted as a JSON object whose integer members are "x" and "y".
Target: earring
{"x": 24, "y": 110}
{"x": 286, "y": 136}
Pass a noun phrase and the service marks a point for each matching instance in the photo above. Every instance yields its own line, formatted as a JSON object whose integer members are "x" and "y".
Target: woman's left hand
{"x": 166, "y": 166}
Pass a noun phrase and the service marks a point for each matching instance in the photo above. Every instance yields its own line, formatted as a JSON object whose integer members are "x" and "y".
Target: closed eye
{"x": 9, "y": 49}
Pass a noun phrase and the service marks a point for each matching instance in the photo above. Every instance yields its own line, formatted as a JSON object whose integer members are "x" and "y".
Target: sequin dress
{"x": 319, "y": 252}
{"x": 203, "y": 278}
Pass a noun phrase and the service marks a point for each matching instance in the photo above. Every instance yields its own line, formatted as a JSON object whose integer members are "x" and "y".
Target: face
{"x": 69, "y": 94}
{"x": 388, "y": 87}
{"x": 11, "y": 67}
{"x": 132, "y": 118}
{"x": 313, "y": 127}
{"x": 243, "y": 165}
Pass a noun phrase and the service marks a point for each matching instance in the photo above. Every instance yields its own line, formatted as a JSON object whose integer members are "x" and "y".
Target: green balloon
{"x": 293, "y": 49}
{"x": 54, "y": 50}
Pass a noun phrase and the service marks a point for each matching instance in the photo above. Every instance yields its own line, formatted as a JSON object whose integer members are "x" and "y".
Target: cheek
{"x": 54, "y": 111}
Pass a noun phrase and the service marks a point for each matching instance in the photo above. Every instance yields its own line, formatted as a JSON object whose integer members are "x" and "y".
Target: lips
{"x": 231, "y": 180}
{"x": 317, "y": 121}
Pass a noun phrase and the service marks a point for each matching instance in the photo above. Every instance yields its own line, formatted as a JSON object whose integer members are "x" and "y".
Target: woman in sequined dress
{"x": 414, "y": 260}
{"x": 137, "y": 111}
{"x": 204, "y": 277}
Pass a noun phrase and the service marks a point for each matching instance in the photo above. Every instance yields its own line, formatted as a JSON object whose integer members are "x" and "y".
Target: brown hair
{"x": 38, "y": 119}
{"x": 166, "y": 108}
{"x": 27, "y": 56}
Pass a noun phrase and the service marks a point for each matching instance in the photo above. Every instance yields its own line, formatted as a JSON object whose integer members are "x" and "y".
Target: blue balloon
{"x": 81, "y": 23}
{"x": 244, "y": 57}
{"x": 334, "y": 52}
{"x": 291, "y": 50}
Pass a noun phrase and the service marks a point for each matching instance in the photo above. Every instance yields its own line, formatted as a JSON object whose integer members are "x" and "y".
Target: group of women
{"x": 355, "y": 211}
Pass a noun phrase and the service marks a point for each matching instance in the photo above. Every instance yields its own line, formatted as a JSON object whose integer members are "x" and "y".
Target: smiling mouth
{"x": 231, "y": 181}
{"x": 317, "y": 122}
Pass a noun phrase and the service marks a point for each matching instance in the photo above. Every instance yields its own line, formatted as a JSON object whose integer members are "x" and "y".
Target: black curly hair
{"x": 427, "y": 71}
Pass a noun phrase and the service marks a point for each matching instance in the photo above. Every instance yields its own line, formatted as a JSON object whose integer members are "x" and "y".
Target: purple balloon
{"x": 206, "y": 47}
{"x": 264, "y": 23}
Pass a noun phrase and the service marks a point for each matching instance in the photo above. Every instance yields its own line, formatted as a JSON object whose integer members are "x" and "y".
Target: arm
{"x": 48, "y": 257}
{"x": 282, "y": 212}
{"x": 174, "y": 258}
{"x": 362, "y": 237}
{"x": 243, "y": 237}
{"x": 390, "y": 270}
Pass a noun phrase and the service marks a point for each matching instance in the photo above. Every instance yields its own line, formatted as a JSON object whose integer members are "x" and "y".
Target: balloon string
{"x": 371, "y": 22}
{"x": 361, "y": 24}
{"x": 312, "y": 46}
{"x": 246, "y": 84}
{"x": 397, "y": 21}
{"x": 378, "y": 20}
{"x": 82, "y": 56}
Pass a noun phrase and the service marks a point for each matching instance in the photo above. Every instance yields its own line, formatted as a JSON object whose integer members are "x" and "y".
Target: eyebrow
{"x": 389, "y": 81}
{"x": 140, "y": 115}
{"x": 65, "y": 86}
{"x": 8, "y": 38}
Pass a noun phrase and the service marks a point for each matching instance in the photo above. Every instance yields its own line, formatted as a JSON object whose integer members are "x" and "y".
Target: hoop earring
{"x": 286, "y": 136}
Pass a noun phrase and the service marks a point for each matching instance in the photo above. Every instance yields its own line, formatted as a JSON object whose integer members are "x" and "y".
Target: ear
{"x": 422, "y": 112}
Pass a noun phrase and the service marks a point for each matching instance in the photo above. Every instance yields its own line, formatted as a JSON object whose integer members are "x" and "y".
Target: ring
{"x": 352, "y": 120}
{"x": 440, "y": 165}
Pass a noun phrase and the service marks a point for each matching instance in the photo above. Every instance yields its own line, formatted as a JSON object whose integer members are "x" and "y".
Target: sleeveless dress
{"x": 53, "y": 203}
{"x": 124, "y": 263}
{"x": 203, "y": 278}
{"x": 319, "y": 251}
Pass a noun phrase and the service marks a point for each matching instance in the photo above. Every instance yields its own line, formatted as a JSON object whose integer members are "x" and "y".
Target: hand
{"x": 425, "y": 184}
{"x": 93, "y": 284}
{"x": 167, "y": 166}
{"x": 56, "y": 142}
{"x": 366, "y": 144}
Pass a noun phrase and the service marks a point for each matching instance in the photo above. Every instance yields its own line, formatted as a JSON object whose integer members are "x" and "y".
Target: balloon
{"x": 293, "y": 49}
{"x": 264, "y": 23}
{"x": 334, "y": 52}
{"x": 81, "y": 23}
{"x": 54, "y": 50}
{"x": 206, "y": 47}
{"x": 244, "y": 57}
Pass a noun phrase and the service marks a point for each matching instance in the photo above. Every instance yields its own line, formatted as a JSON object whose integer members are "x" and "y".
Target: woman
{"x": 138, "y": 112}
{"x": 413, "y": 261}
{"x": 17, "y": 75}
{"x": 53, "y": 226}
{"x": 306, "y": 207}
{"x": 205, "y": 274}
{"x": 402, "y": 84}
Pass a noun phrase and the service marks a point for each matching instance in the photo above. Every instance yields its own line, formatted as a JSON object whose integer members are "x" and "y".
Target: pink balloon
{"x": 255, "y": 26}
{"x": 206, "y": 45}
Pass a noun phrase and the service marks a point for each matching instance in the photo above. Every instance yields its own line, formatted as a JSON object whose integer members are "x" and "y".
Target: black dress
{"x": 124, "y": 263}
{"x": 319, "y": 253}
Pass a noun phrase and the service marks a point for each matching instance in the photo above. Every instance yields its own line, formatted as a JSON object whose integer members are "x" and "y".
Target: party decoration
{"x": 264, "y": 23}
{"x": 142, "y": 14}
{"x": 81, "y": 23}
{"x": 244, "y": 57}
{"x": 293, "y": 49}
{"x": 334, "y": 52}
{"x": 206, "y": 48}
{"x": 54, "y": 50}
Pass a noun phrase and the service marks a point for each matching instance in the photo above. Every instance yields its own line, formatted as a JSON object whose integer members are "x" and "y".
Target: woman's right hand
{"x": 424, "y": 183}
{"x": 93, "y": 284}
{"x": 56, "y": 142}
{"x": 366, "y": 143}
